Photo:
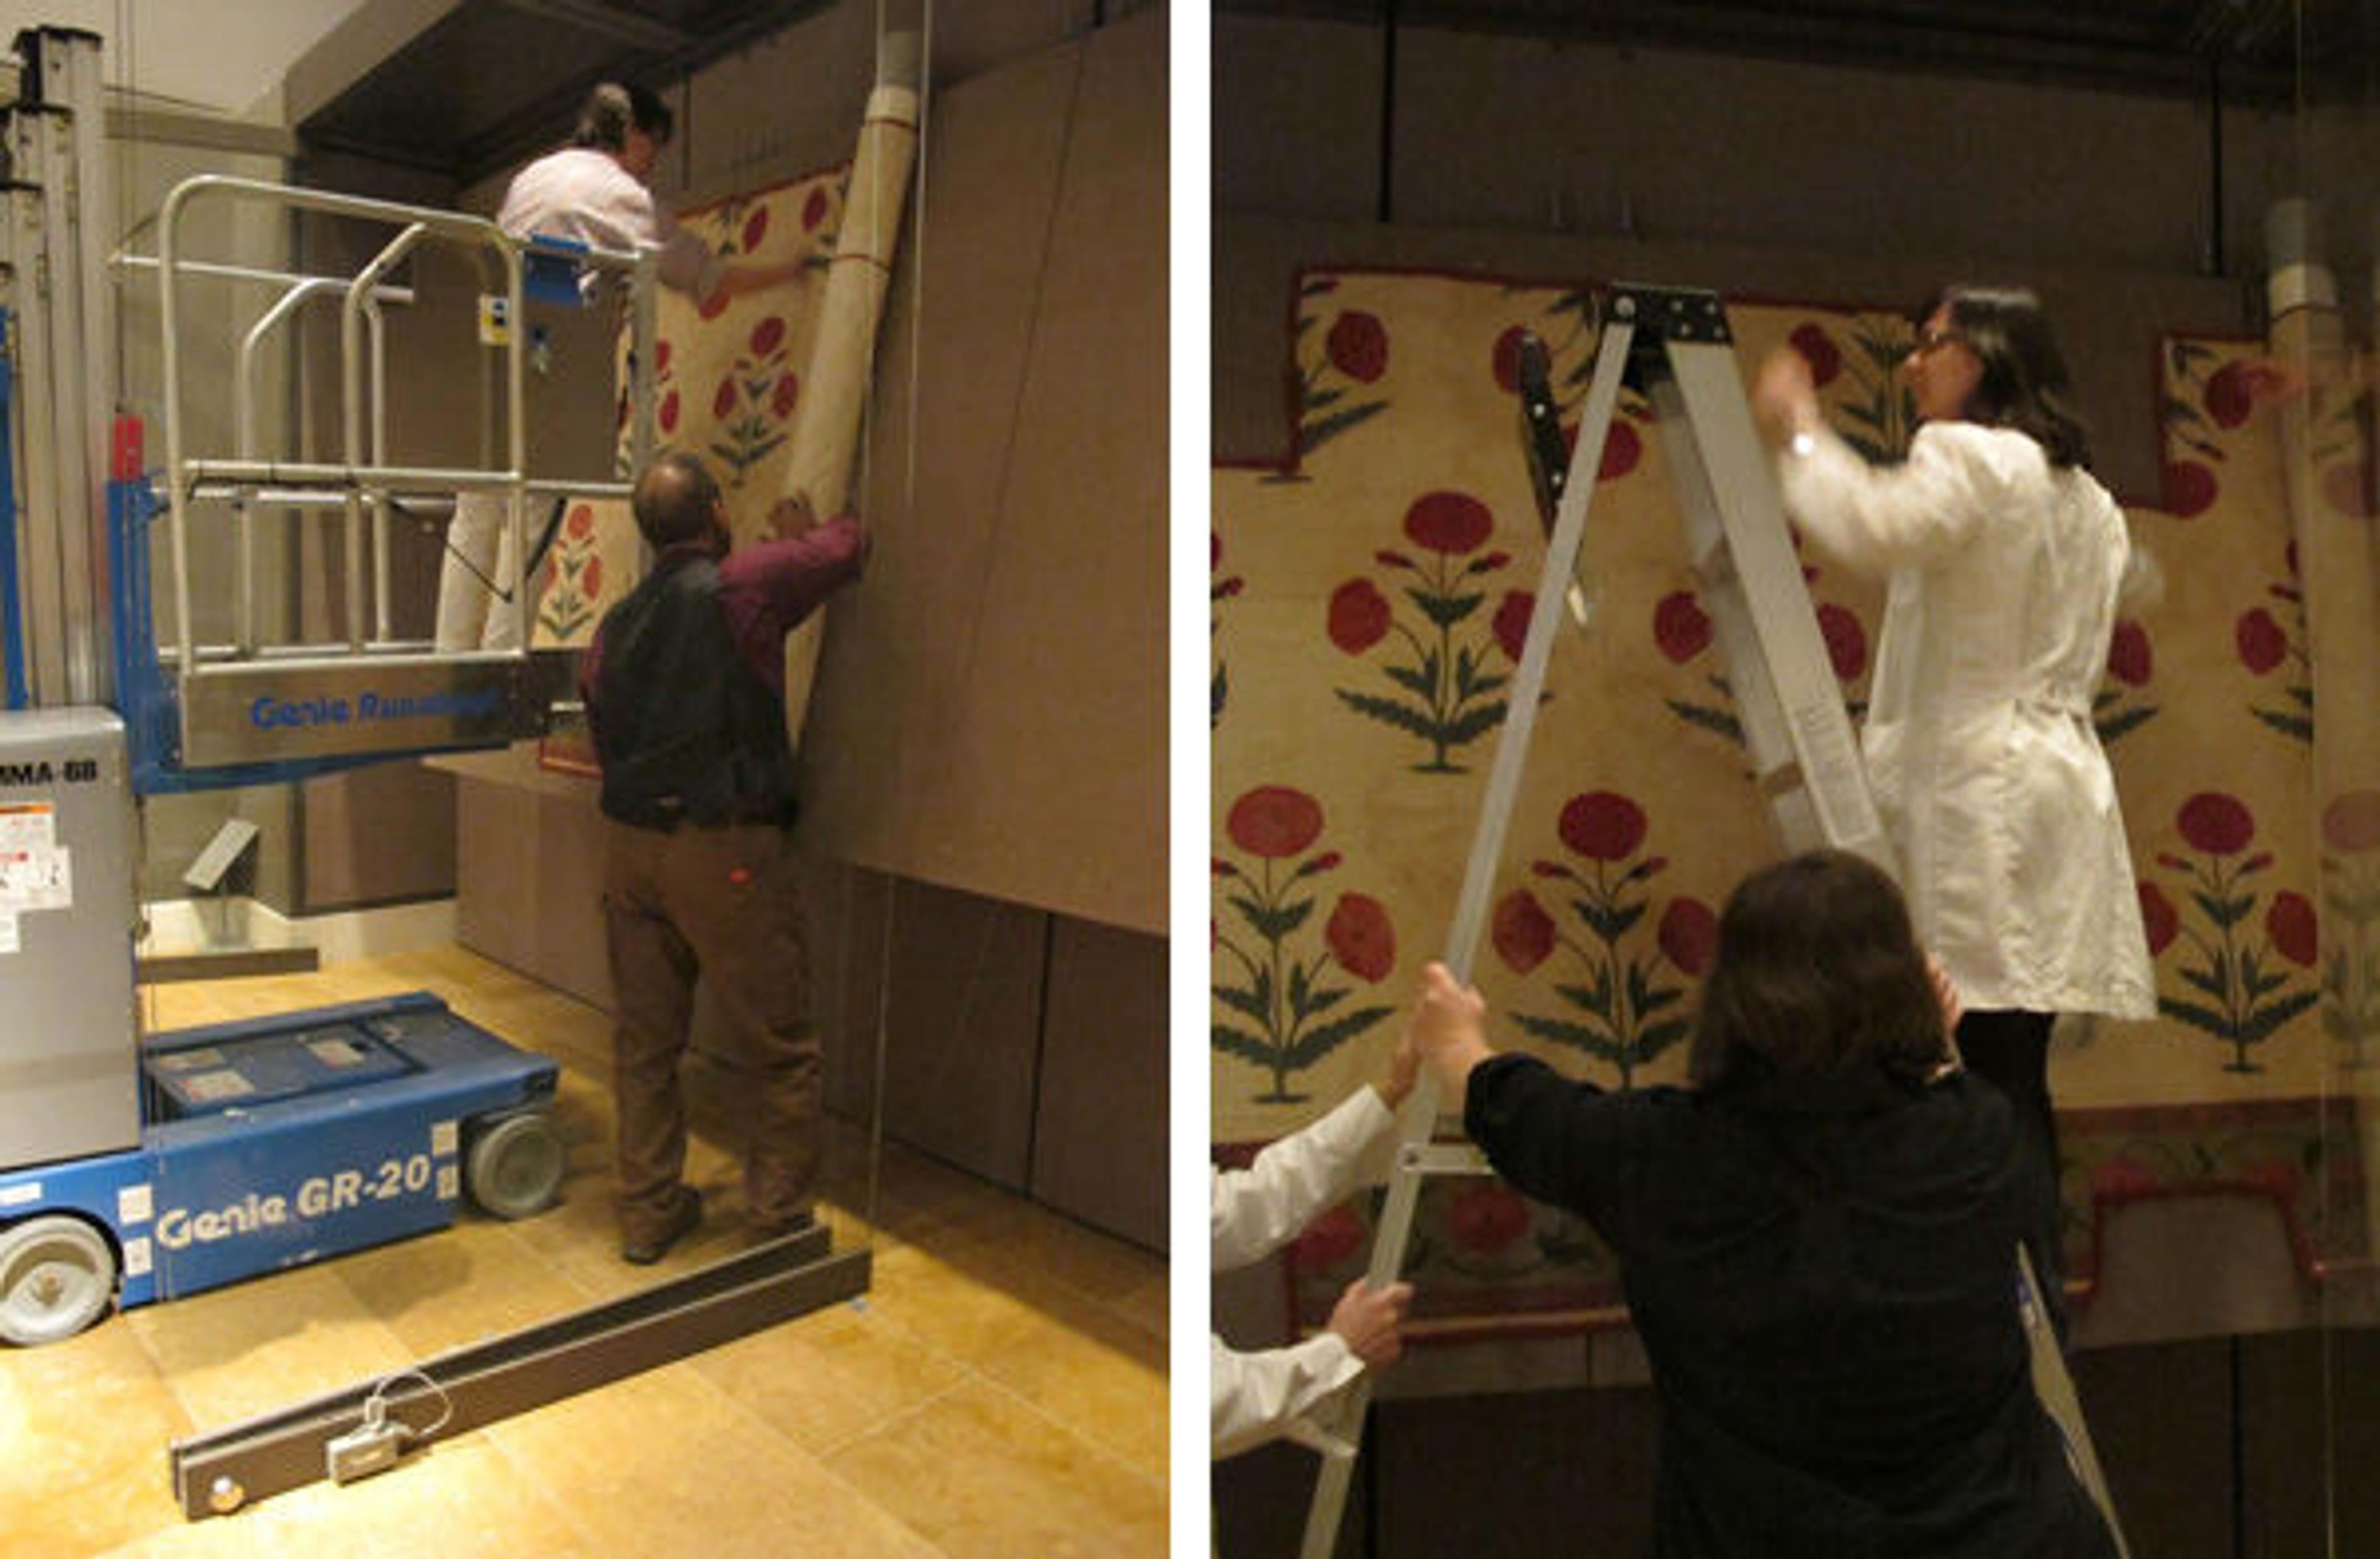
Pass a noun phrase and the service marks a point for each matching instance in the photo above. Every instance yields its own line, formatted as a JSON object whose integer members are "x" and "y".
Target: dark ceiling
{"x": 2249, "y": 50}
{"x": 489, "y": 81}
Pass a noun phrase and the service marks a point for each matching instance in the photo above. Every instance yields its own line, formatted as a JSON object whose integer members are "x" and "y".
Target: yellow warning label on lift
{"x": 495, "y": 320}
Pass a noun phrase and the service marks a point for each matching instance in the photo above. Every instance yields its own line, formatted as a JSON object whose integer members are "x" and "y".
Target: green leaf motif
{"x": 1659, "y": 1037}
{"x": 1445, "y": 611}
{"x": 1246, "y": 1003}
{"x": 1275, "y": 923}
{"x": 2293, "y": 726}
{"x": 2195, "y": 1016}
{"x": 2225, "y": 912}
{"x": 1234, "y": 1043}
{"x": 1322, "y": 1040}
{"x": 1390, "y": 713}
{"x": 1716, "y": 721}
{"x": 1473, "y": 723}
{"x": 1314, "y": 435}
{"x": 2119, "y": 724}
{"x": 2261, "y": 1025}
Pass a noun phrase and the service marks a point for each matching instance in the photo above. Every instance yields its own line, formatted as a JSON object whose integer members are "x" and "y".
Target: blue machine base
{"x": 273, "y": 1143}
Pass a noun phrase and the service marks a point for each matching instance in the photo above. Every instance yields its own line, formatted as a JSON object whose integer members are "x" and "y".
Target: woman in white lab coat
{"x": 2005, "y": 561}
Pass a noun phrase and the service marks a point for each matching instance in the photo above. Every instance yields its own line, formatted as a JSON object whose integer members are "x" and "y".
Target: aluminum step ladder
{"x": 1675, "y": 347}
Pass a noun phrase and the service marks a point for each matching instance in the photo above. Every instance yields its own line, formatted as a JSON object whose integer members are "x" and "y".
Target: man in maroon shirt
{"x": 685, "y": 686}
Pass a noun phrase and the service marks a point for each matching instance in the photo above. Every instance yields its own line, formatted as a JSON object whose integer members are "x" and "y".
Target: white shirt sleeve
{"x": 1876, "y": 520}
{"x": 687, "y": 264}
{"x": 1255, "y": 1398}
{"x": 1254, "y": 1211}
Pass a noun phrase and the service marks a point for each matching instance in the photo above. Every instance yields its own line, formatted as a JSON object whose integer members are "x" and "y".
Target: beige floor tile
{"x": 83, "y": 1427}
{"x": 683, "y": 1470}
{"x": 829, "y": 1377}
{"x": 459, "y": 1500}
{"x": 442, "y": 1291}
{"x": 233, "y": 1353}
{"x": 1100, "y": 1375}
{"x": 995, "y": 1395}
{"x": 985, "y": 1476}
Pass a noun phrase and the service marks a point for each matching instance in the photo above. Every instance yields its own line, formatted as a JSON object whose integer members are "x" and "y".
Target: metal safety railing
{"x": 233, "y": 693}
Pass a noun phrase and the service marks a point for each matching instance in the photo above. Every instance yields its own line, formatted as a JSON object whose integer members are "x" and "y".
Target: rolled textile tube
{"x": 834, "y": 392}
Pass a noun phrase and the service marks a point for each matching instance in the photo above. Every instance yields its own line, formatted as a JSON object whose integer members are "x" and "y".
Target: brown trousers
{"x": 722, "y": 905}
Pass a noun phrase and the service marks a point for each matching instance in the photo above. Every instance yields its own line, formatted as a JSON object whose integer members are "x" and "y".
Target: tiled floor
{"x": 997, "y": 1394}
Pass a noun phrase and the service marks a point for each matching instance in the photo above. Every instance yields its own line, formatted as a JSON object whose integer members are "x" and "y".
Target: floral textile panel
{"x": 1369, "y": 595}
{"x": 727, "y": 383}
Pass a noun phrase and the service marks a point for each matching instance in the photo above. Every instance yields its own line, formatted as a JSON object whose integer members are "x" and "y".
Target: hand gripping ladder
{"x": 1674, "y": 347}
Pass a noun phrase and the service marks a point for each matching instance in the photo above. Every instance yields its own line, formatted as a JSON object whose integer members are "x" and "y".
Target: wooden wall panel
{"x": 991, "y": 709}
{"x": 963, "y": 1028}
{"x": 1099, "y": 1129}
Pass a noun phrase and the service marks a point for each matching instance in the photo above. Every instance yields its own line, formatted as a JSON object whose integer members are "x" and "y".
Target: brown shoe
{"x": 683, "y": 1222}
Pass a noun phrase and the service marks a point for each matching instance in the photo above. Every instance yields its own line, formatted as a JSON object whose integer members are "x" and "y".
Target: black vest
{"x": 686, "y": 731}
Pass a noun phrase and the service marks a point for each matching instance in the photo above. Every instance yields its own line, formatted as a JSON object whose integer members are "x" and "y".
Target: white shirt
{"x": 585, "y": 195}
{"x": 1253, "y": 1397}
{"x": 2005, "y": 573}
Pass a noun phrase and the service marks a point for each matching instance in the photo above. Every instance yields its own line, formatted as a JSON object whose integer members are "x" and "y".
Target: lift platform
{"x": 132, "y": 1168}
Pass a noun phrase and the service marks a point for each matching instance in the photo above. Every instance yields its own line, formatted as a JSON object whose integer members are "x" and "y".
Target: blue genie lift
{"x": 135, "y": 1169}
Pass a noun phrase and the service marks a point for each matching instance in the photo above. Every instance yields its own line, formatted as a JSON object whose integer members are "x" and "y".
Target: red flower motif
{"x": 660, "y": 358}
{"x": 1273, "y": 822}
{"x": 2346, "y": 487}
{"x": 2157, "y": 917}
{"x": 1681, "y": 626}
{"x": 788, "y": 391}
{"x": 590, "y": 578}
{"x": 2351, "y": 822}
{"x": 814, "y": 209}
{"x": 1602, "y": 825}
{"x": 2230, "y": 394}
{"x": 2261, "y": 642}
{"x": 722, "y": 405}
{"x": 1359, "y": 616}
{"x": 1511, "y": 625}
{"x": 2290, "y": 921}
{"x": 1487, "y": 1218}
{"x": 1623, "y": 447}
{"x": 581, "y": 523}
{"x": 1448, "y": 522}
{"x": 1818, "y": 349}
{"x": 1846, "y": 640}
{"x": 2218, "y": 823}
{"x": 768, "y": 336}
{"x": 2190, "y": 489}
{"x": 2129, "y": 660}
{"x": 667, "y": 415}
{"x": 714, "y": 306}
{"x": 1329, "y": 1241}
{"x": 1358, "y": 345}
{"x": 1505, "y": 362}
{"x": 1361, "y": 938}
{"x": 1522, "y": 931}
{"x": 1689, "y": 934}
{"x": 756, "y": 227}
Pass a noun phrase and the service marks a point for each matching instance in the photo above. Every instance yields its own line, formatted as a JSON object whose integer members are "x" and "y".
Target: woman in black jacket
{"x": 1817, "y": 1240}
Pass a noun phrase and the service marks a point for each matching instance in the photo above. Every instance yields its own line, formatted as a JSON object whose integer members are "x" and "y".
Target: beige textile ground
{"x": 1000, "y": 1391}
